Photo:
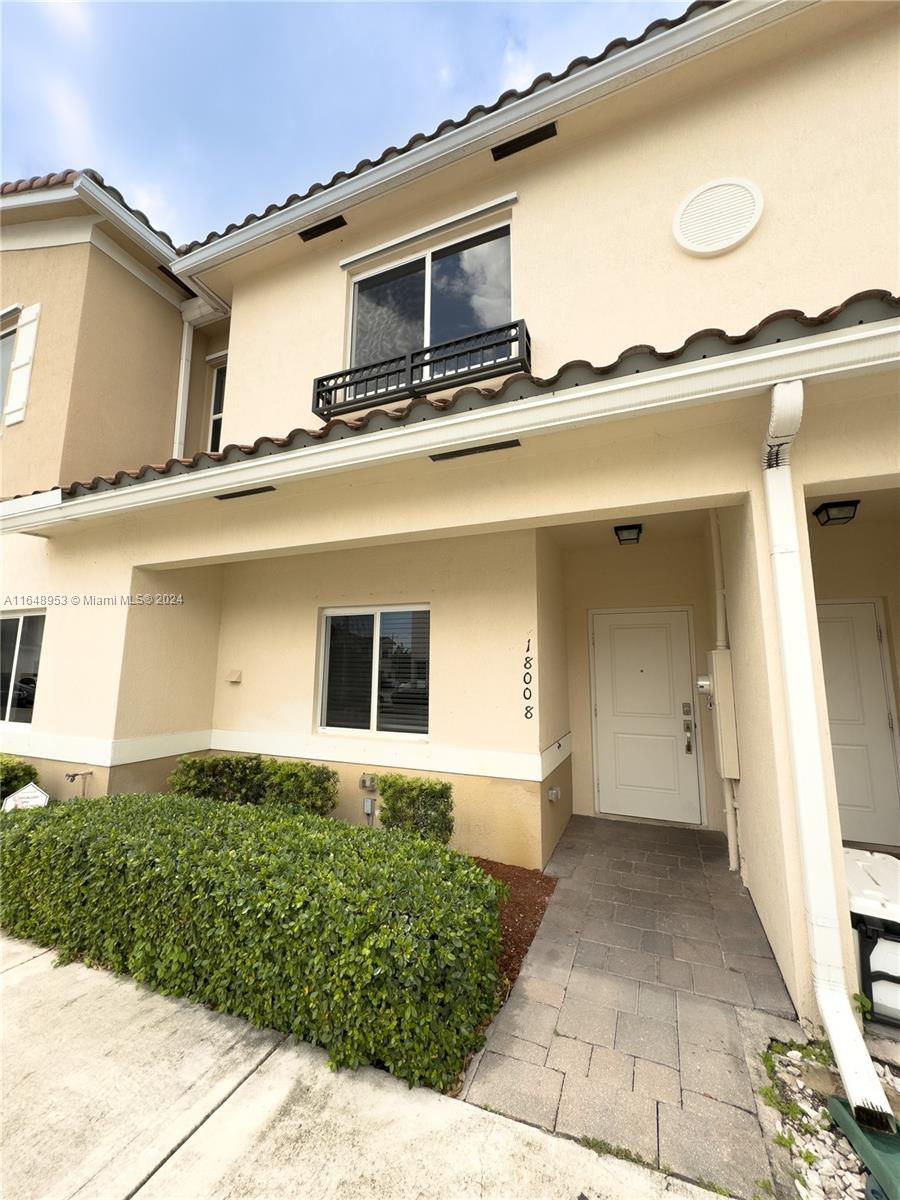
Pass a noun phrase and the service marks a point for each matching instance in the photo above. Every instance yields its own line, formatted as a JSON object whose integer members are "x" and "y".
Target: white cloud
{"x": 518, "y": 68}
{"x": 549, "y": 37}
{"x": 68, "y": 18}
{"x": 70, "y": 136}
{"x": 153, "y": 199}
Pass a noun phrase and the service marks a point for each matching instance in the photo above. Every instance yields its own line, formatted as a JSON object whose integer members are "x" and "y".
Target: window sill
{"x": 380, "y": 735}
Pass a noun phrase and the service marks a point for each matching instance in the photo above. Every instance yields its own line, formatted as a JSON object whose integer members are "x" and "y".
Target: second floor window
{"x": 446, "y": 294}
{"x": 7, "y": 345}
{"x": 218, "y": 405}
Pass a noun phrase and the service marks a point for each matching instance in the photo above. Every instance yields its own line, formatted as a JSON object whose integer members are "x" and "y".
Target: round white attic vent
{"x": 718, "y": 216}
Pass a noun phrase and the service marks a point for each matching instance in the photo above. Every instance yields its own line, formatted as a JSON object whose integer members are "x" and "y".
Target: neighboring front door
{"x": 644, "y": 732}
{"x": 861, "y": 717}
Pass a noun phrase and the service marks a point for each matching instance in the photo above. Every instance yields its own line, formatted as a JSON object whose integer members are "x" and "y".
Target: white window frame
{"x": 218, "y": 363}
{"x": 9, "y": 324}
{"x": 324, "y": 639}
{"x": 19, "y": 615}
{"x": 459, "y": 235}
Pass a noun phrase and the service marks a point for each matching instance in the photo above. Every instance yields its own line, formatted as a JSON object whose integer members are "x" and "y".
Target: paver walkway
{"x": 624, "y": 1023}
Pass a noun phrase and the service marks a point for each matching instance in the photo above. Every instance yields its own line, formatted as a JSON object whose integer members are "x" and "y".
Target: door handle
{"x": 688, "y": 737}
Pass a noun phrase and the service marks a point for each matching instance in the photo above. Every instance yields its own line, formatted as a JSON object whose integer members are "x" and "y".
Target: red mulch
{"x": 529, "y": 893}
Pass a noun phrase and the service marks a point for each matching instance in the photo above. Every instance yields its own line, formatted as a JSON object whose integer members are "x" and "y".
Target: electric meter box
{"x": 873, "y": 885}
{"x": 718, "y": 665}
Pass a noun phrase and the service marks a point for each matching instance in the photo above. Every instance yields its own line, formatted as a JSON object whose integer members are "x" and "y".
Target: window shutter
{"x": 20, "y": 370}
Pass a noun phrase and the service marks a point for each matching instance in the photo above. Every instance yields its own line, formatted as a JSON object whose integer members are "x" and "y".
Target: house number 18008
{"x": 528, "y": 665}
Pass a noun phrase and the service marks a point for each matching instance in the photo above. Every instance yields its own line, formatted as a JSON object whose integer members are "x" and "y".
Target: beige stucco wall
{"x": 555, "y": 814}
{"x": 122, "y": 403}
{"x": 168, "y": 674}
{"x": 104, "y": 377}
{"x": 498, "y": 819}
{"x": 594, "y": 271}
{"x": 31, "y": 452}
{"x": 481, "y": 594}
{"x": 550, "y": 658}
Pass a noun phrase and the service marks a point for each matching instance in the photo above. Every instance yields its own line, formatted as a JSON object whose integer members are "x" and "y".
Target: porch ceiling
{"x": 882, "y": 504}
{"x": 591, "y": 535}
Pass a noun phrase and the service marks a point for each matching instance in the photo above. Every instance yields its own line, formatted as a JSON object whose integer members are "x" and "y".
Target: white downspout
{"x": 823, "y": 905}
{"x": 184, "y": 384}
{"x": 731, "y": 830}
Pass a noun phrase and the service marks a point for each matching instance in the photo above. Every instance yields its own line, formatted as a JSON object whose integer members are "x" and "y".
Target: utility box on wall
{"x": 718, "y": 664}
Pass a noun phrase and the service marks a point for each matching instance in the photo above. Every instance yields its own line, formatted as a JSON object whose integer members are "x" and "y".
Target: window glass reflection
{"x": 389, "y": 317}
{"x": 470, "y": 287}
{"x": 403, "y": 672}
{"x": 24, "y": 685}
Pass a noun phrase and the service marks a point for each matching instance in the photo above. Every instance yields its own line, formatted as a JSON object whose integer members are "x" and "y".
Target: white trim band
{"x": 406, "y": 754}
{"x": 555, "y": 755}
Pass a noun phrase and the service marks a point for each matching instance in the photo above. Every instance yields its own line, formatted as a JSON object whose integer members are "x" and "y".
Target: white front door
{"x": 861, "y": 716}
{"x": 644, "y": 732}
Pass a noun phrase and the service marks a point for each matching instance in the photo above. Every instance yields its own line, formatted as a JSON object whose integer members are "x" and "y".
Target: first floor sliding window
{"x": 20, "y": 656}
{"x": 376, "y": 670}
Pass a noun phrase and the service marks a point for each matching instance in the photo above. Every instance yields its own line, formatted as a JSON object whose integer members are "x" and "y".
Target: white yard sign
{"x": 30, "y": 796}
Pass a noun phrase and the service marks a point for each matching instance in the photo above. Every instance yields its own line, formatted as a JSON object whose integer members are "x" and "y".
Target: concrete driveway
{"x": 111, "y": 1091}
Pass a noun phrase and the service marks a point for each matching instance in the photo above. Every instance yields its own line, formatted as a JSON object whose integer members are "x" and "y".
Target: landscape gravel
{"x": 826, "y": 1166}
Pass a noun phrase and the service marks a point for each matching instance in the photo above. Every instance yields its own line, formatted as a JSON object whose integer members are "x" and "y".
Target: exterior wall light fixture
{"x": 836, "y": 512}
{"x": 628, "y": 535}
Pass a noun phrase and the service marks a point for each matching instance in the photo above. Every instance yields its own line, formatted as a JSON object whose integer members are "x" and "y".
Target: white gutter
{"x": 658, "y": 53}
{"x": 823, "y": 905}
{"x": 731, "y": 829}
{"x": 111, "y": 210}
{"x": 858, "y": 349}
{"x": 184, "y": 385}
{"x": 107, "y": 208}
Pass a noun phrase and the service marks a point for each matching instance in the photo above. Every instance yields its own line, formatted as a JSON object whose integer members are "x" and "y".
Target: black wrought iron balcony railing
{"x": 483, "y": 355}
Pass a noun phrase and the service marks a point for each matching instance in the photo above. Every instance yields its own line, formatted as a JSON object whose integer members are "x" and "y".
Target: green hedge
{"x": 421, "y": 806}
{"x": 250, "y": 779}
{"x": 15, "y": 773}
{"x": 379, "y": 946}
{"x": 307, "y": 787}
{"x": 238, "y": 778}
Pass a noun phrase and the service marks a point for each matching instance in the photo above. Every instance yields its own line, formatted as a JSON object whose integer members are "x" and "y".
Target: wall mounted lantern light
{"x": 628, "y": 535}
{"x": 836, "y": 512}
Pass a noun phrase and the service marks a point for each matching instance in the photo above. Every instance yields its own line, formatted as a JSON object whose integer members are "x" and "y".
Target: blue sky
{"x": 202, "y": 112}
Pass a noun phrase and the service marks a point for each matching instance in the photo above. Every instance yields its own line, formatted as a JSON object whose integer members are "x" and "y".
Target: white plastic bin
{"x": 873, "y": 884}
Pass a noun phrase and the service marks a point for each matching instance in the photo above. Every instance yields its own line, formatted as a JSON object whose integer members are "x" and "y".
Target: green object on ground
{"x": 880, "y": 1152}
{"x": 422, "y": 806}
{"x": 381, "y": 947}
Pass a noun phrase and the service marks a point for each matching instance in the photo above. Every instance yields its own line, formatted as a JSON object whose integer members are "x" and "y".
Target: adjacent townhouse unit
{"x": 555, "y": 453}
